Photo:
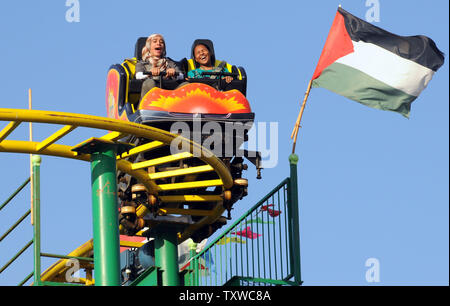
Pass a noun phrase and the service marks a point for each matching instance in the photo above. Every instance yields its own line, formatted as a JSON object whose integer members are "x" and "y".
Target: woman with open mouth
{"x": 156, "y": 68}
{"x": 202, "y": 56}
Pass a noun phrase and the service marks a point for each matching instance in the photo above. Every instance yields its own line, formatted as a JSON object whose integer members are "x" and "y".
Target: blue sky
{"x": 372, "y": 184}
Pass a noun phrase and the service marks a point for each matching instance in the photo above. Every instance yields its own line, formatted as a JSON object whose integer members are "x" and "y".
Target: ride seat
{"x": 135, "y": 86}
{"x": 140, "y": 43}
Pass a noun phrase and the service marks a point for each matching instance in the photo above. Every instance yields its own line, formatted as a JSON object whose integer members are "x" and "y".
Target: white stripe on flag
{"x": 388, "y": 67}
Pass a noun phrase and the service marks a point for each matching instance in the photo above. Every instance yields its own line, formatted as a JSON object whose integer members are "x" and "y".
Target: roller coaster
{"x": 206, "y": 110}
{"x": 151, "y": 180}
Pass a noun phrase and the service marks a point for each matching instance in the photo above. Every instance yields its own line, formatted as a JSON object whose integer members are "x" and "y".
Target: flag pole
{"x": 30, "y": 127}
{"x": 299, "y": 118}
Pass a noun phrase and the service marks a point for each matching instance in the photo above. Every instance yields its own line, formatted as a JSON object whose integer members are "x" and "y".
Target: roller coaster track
{"x": 115, "y": 130}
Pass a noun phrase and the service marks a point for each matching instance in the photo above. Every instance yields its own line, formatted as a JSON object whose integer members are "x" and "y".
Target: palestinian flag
{"x": 374, "y": 67}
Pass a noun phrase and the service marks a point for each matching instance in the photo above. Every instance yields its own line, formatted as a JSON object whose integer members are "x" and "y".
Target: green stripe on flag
{"x": 361, "y": 87}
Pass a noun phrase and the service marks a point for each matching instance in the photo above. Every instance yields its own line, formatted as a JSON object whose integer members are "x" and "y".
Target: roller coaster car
{"x": 200, "y": 98}
{"x": 200, "y": 101}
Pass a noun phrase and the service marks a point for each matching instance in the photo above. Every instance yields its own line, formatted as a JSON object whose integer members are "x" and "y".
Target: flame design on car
{"x": 112, "y": 93}
{"x": 195, "y": 98}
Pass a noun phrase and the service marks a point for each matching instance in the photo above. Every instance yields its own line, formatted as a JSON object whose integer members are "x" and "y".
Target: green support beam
{"x": 36, "y": 202}
{"x": 294, "y": 218}
{"x": 166, "y": 255}
{"x": 104, "y": 208}
{"x": 194, "y": 264}
{"x": 105, "y": 218}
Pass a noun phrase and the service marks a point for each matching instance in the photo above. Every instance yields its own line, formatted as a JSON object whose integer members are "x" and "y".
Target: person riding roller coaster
{"x": 154, "y": 64}
{"x": 202, "y": 57}
{"x": 203, "y": 67}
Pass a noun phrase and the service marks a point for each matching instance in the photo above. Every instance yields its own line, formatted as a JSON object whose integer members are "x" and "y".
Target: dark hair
{"x": 202, "y": 44}
{"x": 208, "y": 44}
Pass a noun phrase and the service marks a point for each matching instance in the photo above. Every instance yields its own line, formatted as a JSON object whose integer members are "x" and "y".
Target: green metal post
{"x": 36, "y": 202}
{"x": 294, "y": 218}
{"x": 105, "y": 217}
{"x": 192, "y": 254}
{"x": 104, "y": 207}
{"x": 166, "y": 255}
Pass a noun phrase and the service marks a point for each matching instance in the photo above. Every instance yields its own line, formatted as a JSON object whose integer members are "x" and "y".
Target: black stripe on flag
{"x": 419, "y": 48}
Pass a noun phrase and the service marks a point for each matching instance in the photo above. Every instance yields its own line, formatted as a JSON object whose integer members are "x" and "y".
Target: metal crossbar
{"x": 15, "y": 225}
{"x": 15, "y": 193}
{"x": 256, "y": 250}
{"x": 3, "y": 268}
{"x": 16, "y": 256}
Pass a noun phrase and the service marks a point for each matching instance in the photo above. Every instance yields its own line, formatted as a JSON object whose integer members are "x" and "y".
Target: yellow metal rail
{"x": 117, "y": 129}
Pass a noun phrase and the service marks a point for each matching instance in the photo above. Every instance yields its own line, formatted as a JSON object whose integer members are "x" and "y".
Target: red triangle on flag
{"x": 338, "y": 44}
